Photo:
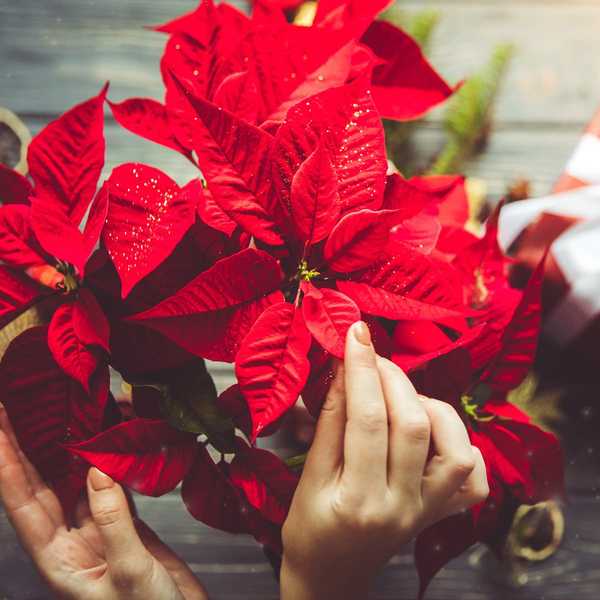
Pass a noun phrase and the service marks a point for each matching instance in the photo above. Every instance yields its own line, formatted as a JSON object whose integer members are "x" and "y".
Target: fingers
{"x": 179, "y": 571}
{"x": 473, "y": 491}
{"x": 32, "y": 523}
{"x": 366, "y": 438}
{"x": 454, "y": 459}
{"x": 43, "y": 493}
{"x": 326, "y": 453}
{"x": 128, "y": 561}
{"x": 409, "y": 429}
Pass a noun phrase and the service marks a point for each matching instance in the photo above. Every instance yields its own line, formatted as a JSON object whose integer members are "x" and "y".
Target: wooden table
{"x": 54, "y": 53}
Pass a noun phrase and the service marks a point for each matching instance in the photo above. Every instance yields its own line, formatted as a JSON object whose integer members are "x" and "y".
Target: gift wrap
{"x": 568, "y": 220}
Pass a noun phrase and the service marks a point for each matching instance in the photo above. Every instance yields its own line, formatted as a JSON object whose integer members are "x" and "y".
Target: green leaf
{"x": 469, "y": 113}
{"x": 189, "y": 403}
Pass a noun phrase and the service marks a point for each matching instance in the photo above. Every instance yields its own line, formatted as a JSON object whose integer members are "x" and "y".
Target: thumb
{"x": 127, "y": 558}
{"x": 326, "y": 452}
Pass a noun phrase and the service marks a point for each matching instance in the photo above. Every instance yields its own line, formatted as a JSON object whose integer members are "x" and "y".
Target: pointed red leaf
{"x": 314, "y": 60}
{"x": 18, "y": 247}
{"x": 406, "y": 86}
{"x": 149, "y": 119}
{"x": 199, "y": 24}
{"x": 63, "y": 239}
{"x": 328, "y": 315}
{"x": 346, "y": 120}
{"x": 213, "y": 215}
{"x": 78, "y": 331}
{"x": 271, "y": 365}
{"x": 148, "y": 214}
{"x": 266, "y": 481}
{"x": 381, "y": 303}
{"x": 233, "y": 157}
{"x": 233, "y": 404}
{"x": 17, "y": 292}
{"x": 314, "y": 197}
{"x": 238, "y": 93}
{"x": 414, "y": 275}
{"x": 47, "y": 408}
{"x": 519, "y": 340}
{"x": 149, "y": 456}
{"x": 215, "y": 335}
{"x": 358, "y": 240}
{"x": 211, "y": 498}
{"x": 67, "y": 156}
{"x": 233, "y": 280}
{"x": 409, "y": 361}
{"x": 14, "y": 188}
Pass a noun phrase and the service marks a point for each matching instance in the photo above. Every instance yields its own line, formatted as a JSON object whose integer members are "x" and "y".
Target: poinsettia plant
{"x": 293, "y": 230}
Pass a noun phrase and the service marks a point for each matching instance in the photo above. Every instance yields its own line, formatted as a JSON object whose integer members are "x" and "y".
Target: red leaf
{"x": 149, "y": 119}
{"x": 17, "y": 292}
{"x": 211, "y": 498}
{"x": 406, "y": 86}
{"x": 199, "y": 24}
{"x": 77, "y": 330}
{"x": 67, "y": 156}
{"x": 414, "y": 275}
{"x": 215, "y": 335}
{"x": 353, "y": 16}
{"x": 233, "y": 404}
{"x": 409, "y": 362}
{"x": 271, "y": 365}
{"x": 314, "y": 60}
{"x": 18, "y": 247}
{"x": 266, "y": 481}
{"x": 238, "y": 93}
{"x": 346, "y": 121}
{"x": 60, "y": 237}
{"x": 328, "y": 315}
{"x": 47, "y": 408}
{"x": 233, "y": 280}
{"x": 149, "y": 456}
{"x": 233, "y": 156}
{"x": 519, "y": 340}
{"x": 314, "y": 197}
{"x": 379, "y": 302}
{"x": 357, "y": 241}
{"x": 213, "y": 215}
{"x": 148, "y": 214}
{"x": 14, "y": 188}
{"x": 319, "y": 380}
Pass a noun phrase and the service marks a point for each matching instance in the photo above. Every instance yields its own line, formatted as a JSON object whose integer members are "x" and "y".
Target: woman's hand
{"x": 368, "y": 486}
{"x": 106, "y": 555}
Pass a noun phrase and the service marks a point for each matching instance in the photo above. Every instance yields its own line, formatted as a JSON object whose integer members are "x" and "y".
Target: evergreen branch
{"x": 469, "y": 113}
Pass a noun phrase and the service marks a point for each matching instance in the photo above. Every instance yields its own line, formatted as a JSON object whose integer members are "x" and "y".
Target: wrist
{"x": 328, "y": 583}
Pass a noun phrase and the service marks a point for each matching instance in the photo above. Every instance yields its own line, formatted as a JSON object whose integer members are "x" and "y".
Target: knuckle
{"x": 372, "y": 418}
{"x": 460, "y": 467}
{"x": 417, "y": 428}
{"x": 107, "y": 515}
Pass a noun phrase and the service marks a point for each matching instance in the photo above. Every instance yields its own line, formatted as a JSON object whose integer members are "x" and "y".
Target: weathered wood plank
{"x": 234, "y": 568}
{"x": 55, "y": 54}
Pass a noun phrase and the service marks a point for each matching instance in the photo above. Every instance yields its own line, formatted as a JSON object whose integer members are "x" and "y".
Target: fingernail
{"x": 361, "y": 333}
{"x": 99, "y": 480}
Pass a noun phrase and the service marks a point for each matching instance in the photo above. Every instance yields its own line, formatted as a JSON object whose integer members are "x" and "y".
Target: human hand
{"x": 368, "y": 486}
{"x": 106, "y": 555}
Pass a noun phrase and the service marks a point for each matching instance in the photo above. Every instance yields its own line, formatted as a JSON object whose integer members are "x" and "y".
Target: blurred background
{"x": 539, "y": 67}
